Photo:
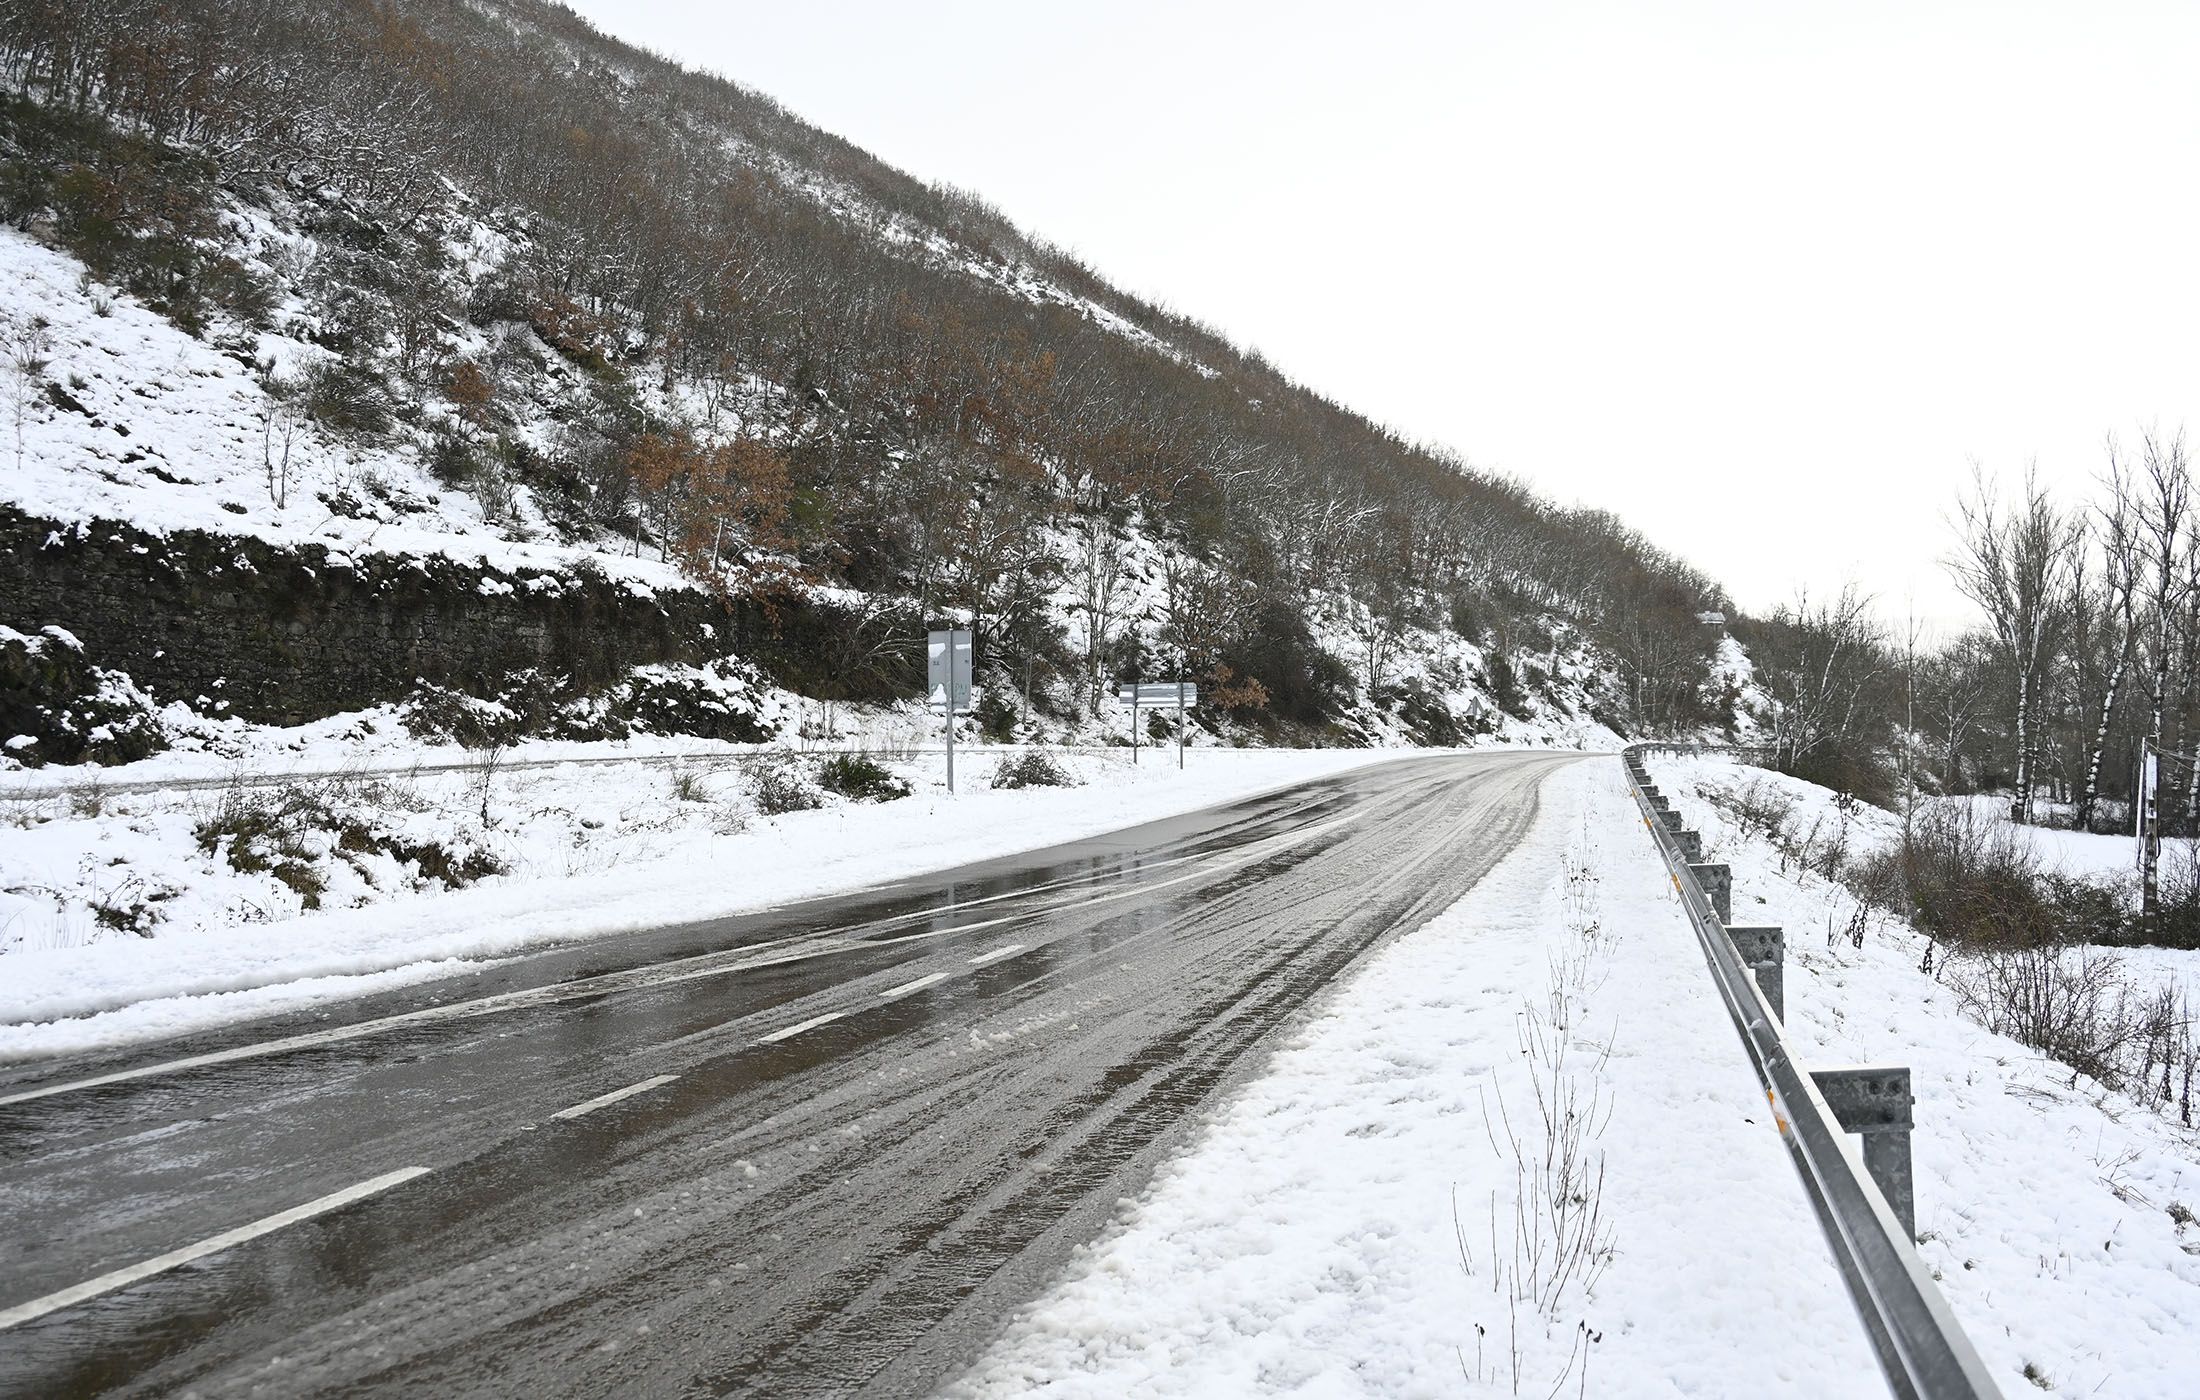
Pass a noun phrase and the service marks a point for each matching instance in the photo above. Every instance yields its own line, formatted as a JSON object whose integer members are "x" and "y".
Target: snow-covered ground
{"x": 2057, "y": 1213}
{"x": 1346, "y": 1224}
{"x": 584, "y": 850}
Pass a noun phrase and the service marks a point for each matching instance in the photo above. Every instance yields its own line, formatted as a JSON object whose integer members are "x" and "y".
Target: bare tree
{"x": 1820, "y": 672}
{"x": 2015, "y": 564}
{"x": 2122, "y": 551}
{"x": 1100, "y": 575}
{"x": 281, "y": 418}
{"x": 2164, "y": 522}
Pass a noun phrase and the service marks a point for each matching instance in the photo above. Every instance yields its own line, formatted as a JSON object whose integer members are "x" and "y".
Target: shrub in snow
{"x": 723, "y": 699}
{"x": 779, "y": 785}
{"x": 292, "y": 833}
{"x": 861, "y": 777}
{"x": 56, "y": 707}
{"x": 715, "y": 701}
{"x": 995, "y": 715}
{"x": 434, "y": 712}
{"x": 1429, "y": 720}
{"x": 1031, "y": 768}
{"x": 134, "y": 906}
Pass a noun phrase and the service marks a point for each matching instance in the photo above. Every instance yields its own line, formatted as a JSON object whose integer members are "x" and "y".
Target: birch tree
{"x": 2015, "y": 562}
{"x": 2121, "y": 553}
{"x": 2164, "y": 526}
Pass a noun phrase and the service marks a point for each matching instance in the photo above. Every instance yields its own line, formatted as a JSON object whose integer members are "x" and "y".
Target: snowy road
{"x": 818, "y": 1150}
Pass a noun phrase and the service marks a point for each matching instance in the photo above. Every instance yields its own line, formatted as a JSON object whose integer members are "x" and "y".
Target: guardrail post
{"x": 1763, "y": 950}
{"x": 1875, "y": 1104}
{"x": 1691, "y": 846}
{"x": 1715, "y": 879}
{"x": 1671, "y": 818}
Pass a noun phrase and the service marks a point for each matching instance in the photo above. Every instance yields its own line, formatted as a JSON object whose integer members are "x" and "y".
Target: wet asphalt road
{"x": 861, "y": 1130}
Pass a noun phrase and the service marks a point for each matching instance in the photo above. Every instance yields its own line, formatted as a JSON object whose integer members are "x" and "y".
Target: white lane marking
{"x": 784, "y": 1032}
{"x": 632, "y": 979}
{"x": 1258, "y": 851}
{"x": 121, "y": 1278}
{"x": 997, "y": 954}
{"x": 606, "y": 1100}
{"x": 907, "y": 987}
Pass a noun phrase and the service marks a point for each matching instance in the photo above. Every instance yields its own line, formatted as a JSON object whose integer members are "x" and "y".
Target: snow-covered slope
{"x": 2057, "y": 1214}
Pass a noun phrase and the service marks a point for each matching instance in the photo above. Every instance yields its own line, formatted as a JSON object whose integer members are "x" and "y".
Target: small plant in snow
{"x": 280, "y": 421}
{"x": 24, "y": 346}
{"x": 484, "y": 757}
{"x": 1550, "y": 1244}
{"x": 134, "y": 906}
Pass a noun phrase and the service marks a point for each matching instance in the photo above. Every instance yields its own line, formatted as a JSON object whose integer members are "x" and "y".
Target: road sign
{"x": 1148, "y": 693}
{"x": 947, "y": 682}
{"x": 947, "y": 664}
{"x": 1138, "y": 694}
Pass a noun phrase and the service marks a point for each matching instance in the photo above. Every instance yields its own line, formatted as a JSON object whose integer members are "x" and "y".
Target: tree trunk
{"x": 2099, "y": 736}
{"x": 2023, "y": 811}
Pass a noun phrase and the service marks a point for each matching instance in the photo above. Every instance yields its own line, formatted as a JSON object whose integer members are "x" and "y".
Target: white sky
{"x": 1761, "y": 278}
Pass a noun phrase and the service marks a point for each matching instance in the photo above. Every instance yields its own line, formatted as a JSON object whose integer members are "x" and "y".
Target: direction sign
{"x": 1159, "y": 693}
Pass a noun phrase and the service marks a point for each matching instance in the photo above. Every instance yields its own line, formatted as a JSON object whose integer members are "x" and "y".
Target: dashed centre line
{"x": 228, "y": 1239}
{"x": 997, "y": 954}
{"x": 606, "y": 1100}
{"x": 907, "y": 987}
{"x": 788, "y": 1032}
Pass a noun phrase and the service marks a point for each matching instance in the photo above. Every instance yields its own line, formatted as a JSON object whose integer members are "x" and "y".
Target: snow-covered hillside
{"x": 695, "y": 346}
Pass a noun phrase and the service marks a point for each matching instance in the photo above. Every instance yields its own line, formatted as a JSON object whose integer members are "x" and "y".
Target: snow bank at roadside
{"x": 1330, "y": 1232}
{"x": 594, "y": 851}
{"x": 2048, "y": 1206}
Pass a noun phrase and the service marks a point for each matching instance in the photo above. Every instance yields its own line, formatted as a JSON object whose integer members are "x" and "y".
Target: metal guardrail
{"x": 1921, "y": 1347}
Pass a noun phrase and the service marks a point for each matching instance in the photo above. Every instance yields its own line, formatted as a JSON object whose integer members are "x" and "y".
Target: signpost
{"x": 947, "y": 682}
{"x": 1178, "y": 693}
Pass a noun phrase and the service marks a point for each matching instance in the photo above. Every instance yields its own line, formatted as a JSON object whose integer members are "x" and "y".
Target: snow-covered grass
{"x": 2086, "y": 853}
{"x": 193, "y": 936}
{"x": 1346, "y": 1224}
{"x": 2057, "y": 1213}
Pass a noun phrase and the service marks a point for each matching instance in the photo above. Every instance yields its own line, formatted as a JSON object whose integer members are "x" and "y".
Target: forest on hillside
{"x": 629, "y": 301}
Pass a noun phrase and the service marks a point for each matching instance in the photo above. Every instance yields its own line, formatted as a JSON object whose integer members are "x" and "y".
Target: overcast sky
{"x": 1761, "y": 278}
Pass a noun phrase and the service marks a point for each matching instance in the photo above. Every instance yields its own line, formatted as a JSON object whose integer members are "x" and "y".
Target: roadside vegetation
{"x": 2029, "y": 950}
